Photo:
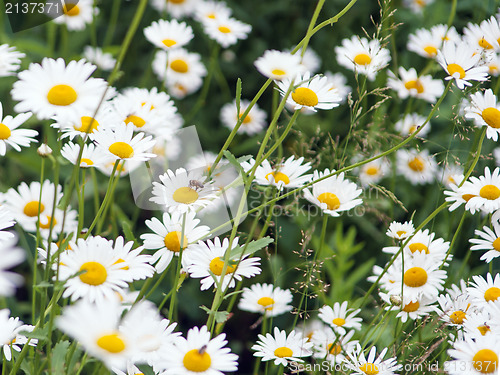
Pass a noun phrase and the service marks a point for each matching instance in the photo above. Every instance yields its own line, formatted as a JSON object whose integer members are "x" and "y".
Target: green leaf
{"x": 238, "y": 96}
{"x": 58, "y": 357}
{"x": 220, "y": 316}
{"x": 251, "y": 248}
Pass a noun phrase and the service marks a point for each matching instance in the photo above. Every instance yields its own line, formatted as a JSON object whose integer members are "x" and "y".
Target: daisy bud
{"x": 395, "y": 300}
{"x": 44, "y": 150}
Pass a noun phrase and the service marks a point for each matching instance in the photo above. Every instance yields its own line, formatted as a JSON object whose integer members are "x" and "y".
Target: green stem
{"x": 113, "y": 19}
{"x": 177, "y": 271}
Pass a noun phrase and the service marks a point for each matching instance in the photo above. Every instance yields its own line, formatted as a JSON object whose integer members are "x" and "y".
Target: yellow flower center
{"x": 484, "y": 44}
{"x": 490, "y": 192}
{"x": 71, "y": 10}
{"x": 305, "y": 96}
{"x": 431, "y": 50}
{"x": 62, "y": 95}
{"x": 4, "y": 131}
{"x": 484, "y": 329}
{"x": 278, "y": 72}
{"x": 247, "y": 119}
{"x": 485, "y": 361}
{"x": 197, "y": 360}
{"x": 85, "y": 162}
{"x": 88, "y": 125}
{"x": 185, "y": 195}
{"x": 136, "y": 120}
{"x": 467, "y": 197}
{"x": 415, "y": 84}
{"x": 496, "y": 244}
{"x": 338, "y": 321}
{"x": 176, "y": 1}
{"x": 122, "y": 150}
{"x": 266, "y": 302}
{"x": 211, "y": 16}
{"x": 411, "y": 307}
{"x": 415, "y": 277}
{"x": 173, "y": 241}
{"x": 455, "y": 68}
{"x": 493, "y": 69}
{"x": 491, "y": 116}
{"x": 416, "y": 164}
{"x": 369, "y": 369}
{"x": 400, "y": 232}
{"x": 362, "y": 59}
{"x": 179, "y": 66}
{"x": 47, "y": 223}
{"x": 492, "y": 294}
{"x": 224, "y": 29}
{"x": 331, "y": 200}
{"x": 120, "y": 260}
{"x": 283, "y": 352}
{"x": 372, "y": 171}
{"x": 169, "y": 42}
{"x": 95, "y": 274}
{"x": 112, "y": 343}
{"x": 31, "y": 209}
{"x": 417, "y": 246}
{"x": 278, "y": 176}
{"x": 217, "y": 264}
{"x": 335, "y": 349}
{"x": 457, "y": 317}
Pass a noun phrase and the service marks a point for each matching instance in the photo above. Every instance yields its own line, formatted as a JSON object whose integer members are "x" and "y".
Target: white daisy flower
{"x": 289, "y": 174}
{"x": 266, "y": 299}
{"x": 363, "y": 56}
{"x": 226, "y": 31}
{"x": 167, "y": 237}
{"x": 176, "y": 192}
{"x": 411, "y": 310}
{"x": 460, "y": 195}
{"x": 278, "y": 65}
{"x": 51, "y": 223}
{"x": 410, "y": 123}
{"x": 207, "y": 258}
{"x": 331, "y": 346}
{"x": 373, "y": 364}
{"x": 10, "y": 256}
{"x": 91, "y": 155}
{"x": 485, "y": 191}
{"x": 484, "y": 110}
{"x": 451, "y": 174}
{"x": 484, "y": 291}
{"x": 53, "y": 87}
{"x": 103, "y": 270}
{"x": 474, "y": 357}
{"x": 282, "y": 348}
{"x": 75, "y": 14}
{"x": 176, "y": 8}
{"x": 373, "y": 172}
{"x": 198, "y": 354}
{"x": 333, "y": 194}
{"x": 453, "y": 310}
{"x": 154, "y": 337}
{"x": 309, "y": 93}
{"x": 104, "y": 60}
{"x": 417, "y": 167}
{"x": 179, "y": 66}
{"x": 153, "y": 100}
{"x": 10, "y": 337}
{"x": 11, "y": 136}
{"x": 340, "y": 317}
{"x": 100, "y": 330}
{"x": 253, "y": 123}
{"x": 120, "y": 143}
{"x": 208, "y": 10}
{"x": 339, "y": 83}
{"x": 25, "y": 203}
{"x": 136, "y": 264}
{"x": 493, "y": 64}
{"x": 421, "y": 277}
{"x": 479, "y": 37}
{"x": 427, "y": 42}
{"x": 131, "y": 370}
{"x": 311, "y": 61}
{"x": 169, "y": 34}
{"x": 461, "y": 63}
{"x": 411, "y": 84}
{"x": 481, "y": 324}
{"x": 10, "y": 59}
{"x": 400, "y": 231}
{"x": 490, "y": 241}
{"x": 6, "y": 221}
